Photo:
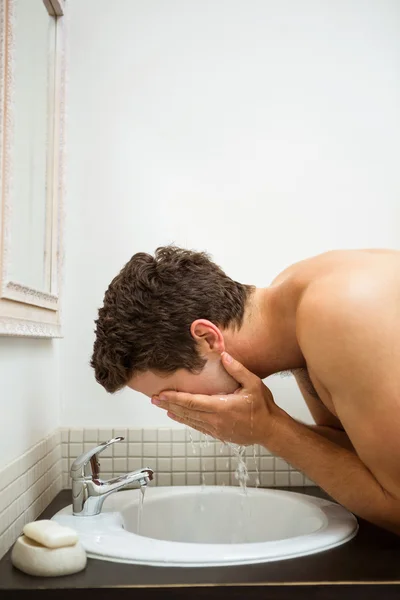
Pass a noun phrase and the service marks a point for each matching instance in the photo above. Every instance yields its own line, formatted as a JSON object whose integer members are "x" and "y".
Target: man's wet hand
{"x": 246, "y": 417}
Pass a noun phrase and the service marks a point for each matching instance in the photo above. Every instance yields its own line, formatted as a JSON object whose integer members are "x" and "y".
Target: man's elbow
{"x": 389, "y": 515}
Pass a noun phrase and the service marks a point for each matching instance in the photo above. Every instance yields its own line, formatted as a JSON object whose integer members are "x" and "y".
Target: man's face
{"x": 213, "y": 379}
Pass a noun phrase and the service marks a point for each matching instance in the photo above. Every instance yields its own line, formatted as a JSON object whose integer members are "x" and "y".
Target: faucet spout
{"x": 141, "y": 478}
{"x": 89, "y": 491}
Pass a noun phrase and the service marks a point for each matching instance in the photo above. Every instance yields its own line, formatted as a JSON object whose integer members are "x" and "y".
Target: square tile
{"x": 121, "y": 433}
{"x": 120, "y": 450}
{"x": 164, "y": 479}
{"x": 149, "y": 449}
{"x": 281, "y": 478}
{"x": 76, "y": 435}
{"x": 209, "y": 478}
{"x": 222, "y": 478}
{"x": 164, "y": 435}
{"x": 178, "y": 449}
{"x": 105, "y": 435}
{"x": 250, "y": 451}
{"x": 135, "y": 463}
{"x": 164, "y": 465}
{"x": 208, "y": 450}
{"x": 254, "y": 463}
{"x": 234, "y": 480}
{"x": 266, "y": 463}
{"x": 281, "y": 465}
{"x": 193, "y": 464}
{"x": 193, "y": 478}
{"x": 296, "y": 478}
{"x": 106, "y": 465}
{"x": 222, "y": 464}
{"x": 135, "y": 435}
{"x": 164, "y": 449}
{"x": 90, "y": 435}
{"x": 64, "y": 435}
{"x": 75, "y": 450}
{"x": 267, "y": 479}
{"x": 179, "y": 464}
{"x": 120, "y": 464}
{"x": 64, "y": 450}
{"x": 192, "y": 435}
{"x": 178, "y": 478}
{"x": 149, "y": 435}
{"x": 222, "y": 449}
{"x": 178, "y": 435}
{"x": 193, "y": 449}
{"x": 208, "y": 464}
{"x": 88, "y": 446}
{"x": 135, "y": 449}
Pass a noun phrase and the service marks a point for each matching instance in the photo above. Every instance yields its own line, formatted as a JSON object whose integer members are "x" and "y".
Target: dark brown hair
{"x": 149, "y": 307}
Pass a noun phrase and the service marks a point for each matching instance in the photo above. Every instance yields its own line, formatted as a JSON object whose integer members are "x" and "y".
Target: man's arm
{"x": 336, "y": 470}
{"x": 349, "y": 330}
{"x": 337, "y": 436}
{"x": 326, "y": 424}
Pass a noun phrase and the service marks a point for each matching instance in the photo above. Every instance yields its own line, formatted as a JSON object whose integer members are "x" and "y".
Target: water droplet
{"x": 191, "y": 441}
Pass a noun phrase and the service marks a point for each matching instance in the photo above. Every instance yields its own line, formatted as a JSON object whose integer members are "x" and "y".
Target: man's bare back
{"x": 379, "y": 265}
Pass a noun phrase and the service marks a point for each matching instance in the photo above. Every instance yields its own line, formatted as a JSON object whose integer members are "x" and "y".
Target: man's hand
{"x": 246, "y": 417}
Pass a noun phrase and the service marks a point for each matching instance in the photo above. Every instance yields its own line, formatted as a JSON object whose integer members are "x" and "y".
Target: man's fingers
{"x": 186, "y": 413}
{"x": 198, "y": 425}
{"x": 242, "y": 375}
{"x": 197, "y": 402}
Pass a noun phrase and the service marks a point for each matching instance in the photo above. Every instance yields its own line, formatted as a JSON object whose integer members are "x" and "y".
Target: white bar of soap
{"x": 32, "y": 558}
{"x": 50, "y": 534}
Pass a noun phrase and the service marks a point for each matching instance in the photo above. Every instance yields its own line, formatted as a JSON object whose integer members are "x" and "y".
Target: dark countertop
{"x": 366, "y": 567}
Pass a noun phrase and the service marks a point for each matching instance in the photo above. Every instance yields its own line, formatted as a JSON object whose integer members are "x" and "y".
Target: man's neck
{"x": 266, "y": 342}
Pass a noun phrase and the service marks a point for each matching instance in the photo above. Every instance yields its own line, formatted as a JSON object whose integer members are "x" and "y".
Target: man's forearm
{"x": 338, "y": 436}
{"x": 337, "y": 470}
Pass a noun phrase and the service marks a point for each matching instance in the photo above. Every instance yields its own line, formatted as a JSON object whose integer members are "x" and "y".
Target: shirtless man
{"x": 171, "y": 324}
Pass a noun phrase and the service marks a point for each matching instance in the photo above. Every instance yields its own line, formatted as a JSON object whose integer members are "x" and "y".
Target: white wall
{"x": 29, "y": 396}
{"x": 261, "y": 131}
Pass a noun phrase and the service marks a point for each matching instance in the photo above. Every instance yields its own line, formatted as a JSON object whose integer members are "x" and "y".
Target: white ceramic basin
{"x": 210, "y": 526}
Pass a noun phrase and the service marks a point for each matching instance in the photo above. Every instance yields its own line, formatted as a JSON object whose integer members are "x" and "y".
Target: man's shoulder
{"x": 343, "y": 321}
{"x": 345, "y": 293}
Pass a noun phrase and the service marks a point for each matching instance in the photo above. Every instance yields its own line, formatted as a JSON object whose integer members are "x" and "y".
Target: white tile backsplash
{"x": 29, "y": 484}
{"x": 135, "y": 435}
{"x": 177, "y": 455}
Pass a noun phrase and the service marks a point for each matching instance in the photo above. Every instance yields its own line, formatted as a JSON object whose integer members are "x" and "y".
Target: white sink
{"x": 209, "y": 526}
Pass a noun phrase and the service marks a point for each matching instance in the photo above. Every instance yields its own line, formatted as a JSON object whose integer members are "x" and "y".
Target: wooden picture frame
{"x": 25, "y": 311}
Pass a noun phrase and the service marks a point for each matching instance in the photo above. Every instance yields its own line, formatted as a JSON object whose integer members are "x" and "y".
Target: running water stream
{"x": 140, "y": 507}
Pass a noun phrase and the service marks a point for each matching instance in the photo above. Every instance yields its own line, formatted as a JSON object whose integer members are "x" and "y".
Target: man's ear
{"x": 207, "y": 335}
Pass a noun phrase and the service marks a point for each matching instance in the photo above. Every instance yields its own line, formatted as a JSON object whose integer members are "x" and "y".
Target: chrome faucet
{"x": 88, "y": 491}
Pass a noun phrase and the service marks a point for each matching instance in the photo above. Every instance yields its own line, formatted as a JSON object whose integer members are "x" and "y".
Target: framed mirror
{"x": 32, "y": 100}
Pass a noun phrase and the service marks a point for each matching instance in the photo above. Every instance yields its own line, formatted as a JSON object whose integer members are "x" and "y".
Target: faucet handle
{"x": 78, "y": 467}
